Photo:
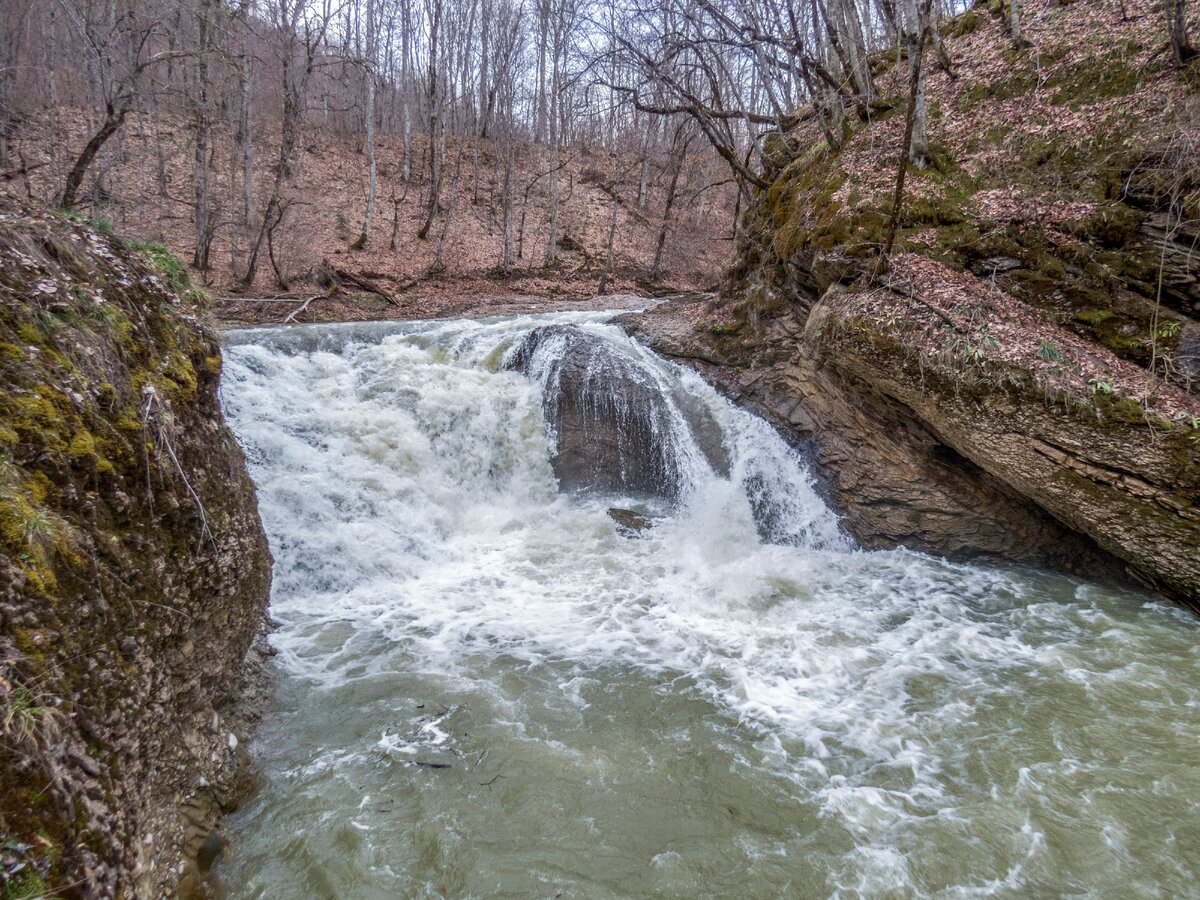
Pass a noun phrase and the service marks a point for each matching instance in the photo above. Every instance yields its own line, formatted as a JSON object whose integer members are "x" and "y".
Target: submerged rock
{"x": 629, "y": 521}
{"x": 615, "y": 427}
{"x": 134, "y": 571}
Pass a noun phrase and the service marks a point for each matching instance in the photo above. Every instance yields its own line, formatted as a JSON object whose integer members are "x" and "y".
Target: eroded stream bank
{"x": 487, "y": 688}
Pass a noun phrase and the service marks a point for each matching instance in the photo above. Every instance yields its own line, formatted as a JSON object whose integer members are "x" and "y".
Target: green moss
{"x": 967, "y": 23}
{"x": 1093, "y": 316}
{"x": 25, "y": 885}
{"x": 1110, "y": 226}
{"x": 973, "y": 94}
{"x": 1092, "y": 79}
{"x": 82, "y": 446}
{"x": 1022, "y": 81}
{"x": 1125, "y": 410}
{"x": 113, "y": 319}
{"x": 172, "y": 268}
{"x": 931, "y": 210}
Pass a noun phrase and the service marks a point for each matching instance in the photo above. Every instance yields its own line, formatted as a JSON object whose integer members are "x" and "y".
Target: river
{"x": 487, "y": 688}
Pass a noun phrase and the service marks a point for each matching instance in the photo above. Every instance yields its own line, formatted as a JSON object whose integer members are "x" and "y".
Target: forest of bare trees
{"x": 453, "y": 88}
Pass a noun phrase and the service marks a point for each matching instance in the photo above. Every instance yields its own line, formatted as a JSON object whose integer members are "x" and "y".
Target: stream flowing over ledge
{"x": 505, "y": 668}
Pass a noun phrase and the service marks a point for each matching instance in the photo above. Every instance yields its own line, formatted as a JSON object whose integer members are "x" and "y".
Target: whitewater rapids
{"x": 488, "y": 689}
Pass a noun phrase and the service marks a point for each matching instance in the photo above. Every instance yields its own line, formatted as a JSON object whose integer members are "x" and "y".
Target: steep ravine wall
{"x": 1021, "y": 381}
{"x": 134, "y": 572}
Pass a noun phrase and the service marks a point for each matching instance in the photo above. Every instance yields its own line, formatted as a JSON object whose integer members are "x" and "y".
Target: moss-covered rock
{"x": 1044, "y": 267}
{"x": 1099, "y": 461}
{"x": 133, "y": 568}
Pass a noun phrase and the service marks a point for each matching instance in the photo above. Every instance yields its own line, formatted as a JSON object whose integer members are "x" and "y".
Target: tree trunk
{"x": 293, "y": 95}
{"x": 114, "y": 118}
{"x": 369, "y": 75}
{"x": 406, "y": 89}
{"x": 612, "y": 229}
{"x": 552, "y": 241}
{"x": 485, "y": 21}
{"x": 1181, "y": 49}
{"x": 914, "y": 91}
{"x": 918, "y": 146}
{"x": 435, "y": 170}
{"x": 506, "y": 249}
{"x": 246, "y": 139}
{"x": 203, "y": 232}
{"x": 439, "y": 263}
{"x": 672, "y": 190}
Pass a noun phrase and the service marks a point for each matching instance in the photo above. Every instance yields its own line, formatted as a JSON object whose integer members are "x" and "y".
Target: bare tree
{"x": 368, "y": 67}
{"x": 1181, "y": 48}
{"x": 433, "y": 10}
{"x": 120, "y": 50}
{"x": 304, "y": 36}
{"x": 205, "y": 26}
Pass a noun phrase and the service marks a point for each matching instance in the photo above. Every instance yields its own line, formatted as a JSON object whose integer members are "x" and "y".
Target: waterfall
{"x": 488, "y": 686}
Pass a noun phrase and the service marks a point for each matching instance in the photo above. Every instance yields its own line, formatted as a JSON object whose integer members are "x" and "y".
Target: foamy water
{"x": 488, "y": 690}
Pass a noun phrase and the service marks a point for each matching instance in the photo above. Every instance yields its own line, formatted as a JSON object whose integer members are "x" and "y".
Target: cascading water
{"x": 487, "y": 688}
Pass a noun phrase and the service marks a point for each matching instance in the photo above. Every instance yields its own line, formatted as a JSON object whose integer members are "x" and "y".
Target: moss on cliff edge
{"x": 133, "y": 569}
{"x": 1064, "y": 175}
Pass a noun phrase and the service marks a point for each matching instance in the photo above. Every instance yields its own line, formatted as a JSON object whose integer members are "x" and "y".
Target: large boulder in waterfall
{"x": 615, "y": 425}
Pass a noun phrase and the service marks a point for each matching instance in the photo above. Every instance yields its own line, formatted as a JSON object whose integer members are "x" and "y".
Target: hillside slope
{"x": 143, "y": 186}
{"x": 1037, "y": 330}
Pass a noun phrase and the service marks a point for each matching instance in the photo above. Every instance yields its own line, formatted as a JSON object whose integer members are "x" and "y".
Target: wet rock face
{"x": 134, "y": 572}
{"x": 615, "y": 428}
{"x": 892, "y": 480}
{"x": 629, "y": 522}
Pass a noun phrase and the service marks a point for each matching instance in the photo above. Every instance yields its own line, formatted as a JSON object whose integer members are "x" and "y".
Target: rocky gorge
{"x": 538, "y": 583}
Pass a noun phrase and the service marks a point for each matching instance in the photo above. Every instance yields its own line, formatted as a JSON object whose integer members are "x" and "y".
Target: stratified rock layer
{"x": 891, "y": 478}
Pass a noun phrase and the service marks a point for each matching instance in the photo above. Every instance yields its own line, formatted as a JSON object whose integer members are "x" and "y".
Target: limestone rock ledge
{"x": 983, "y": 470}
{"x": 134, "y": 572}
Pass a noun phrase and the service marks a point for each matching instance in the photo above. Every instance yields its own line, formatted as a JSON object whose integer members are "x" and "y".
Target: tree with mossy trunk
{"x": 915, "y": 26}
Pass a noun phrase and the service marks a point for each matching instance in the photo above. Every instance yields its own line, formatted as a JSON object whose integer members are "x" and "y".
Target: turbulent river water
{"x": 489, "y": 689}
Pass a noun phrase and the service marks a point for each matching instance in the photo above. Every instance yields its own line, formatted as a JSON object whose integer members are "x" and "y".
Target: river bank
{"x": 134, "y": 572}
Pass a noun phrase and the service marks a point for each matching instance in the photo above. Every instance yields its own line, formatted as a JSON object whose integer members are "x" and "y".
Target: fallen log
{"x": 329, "y": 275}
{"x": 302, "y": 307}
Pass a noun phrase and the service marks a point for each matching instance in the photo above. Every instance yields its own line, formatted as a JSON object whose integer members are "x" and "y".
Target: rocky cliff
{"x": 1021, "y": 381}
{"x": 133, "y": 569}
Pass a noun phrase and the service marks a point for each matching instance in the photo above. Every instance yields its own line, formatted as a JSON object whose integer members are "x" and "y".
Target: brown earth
{"x": 142, "y": 188}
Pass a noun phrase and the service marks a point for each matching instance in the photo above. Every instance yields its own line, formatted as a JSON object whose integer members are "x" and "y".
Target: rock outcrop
{"x": 890, "y": 477}
{"x": 1019, "y": 379}
{"x": 134, "y": 572}
{"x": 616, "y": 428}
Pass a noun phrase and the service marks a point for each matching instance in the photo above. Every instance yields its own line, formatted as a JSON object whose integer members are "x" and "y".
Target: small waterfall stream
{"x": 487, "y": 688}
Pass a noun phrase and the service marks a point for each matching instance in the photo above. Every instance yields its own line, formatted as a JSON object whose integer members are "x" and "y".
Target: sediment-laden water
{"x": 489, "y": 689}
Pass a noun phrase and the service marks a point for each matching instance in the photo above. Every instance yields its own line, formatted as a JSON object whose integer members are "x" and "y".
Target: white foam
{"x": 411, "y": 506}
